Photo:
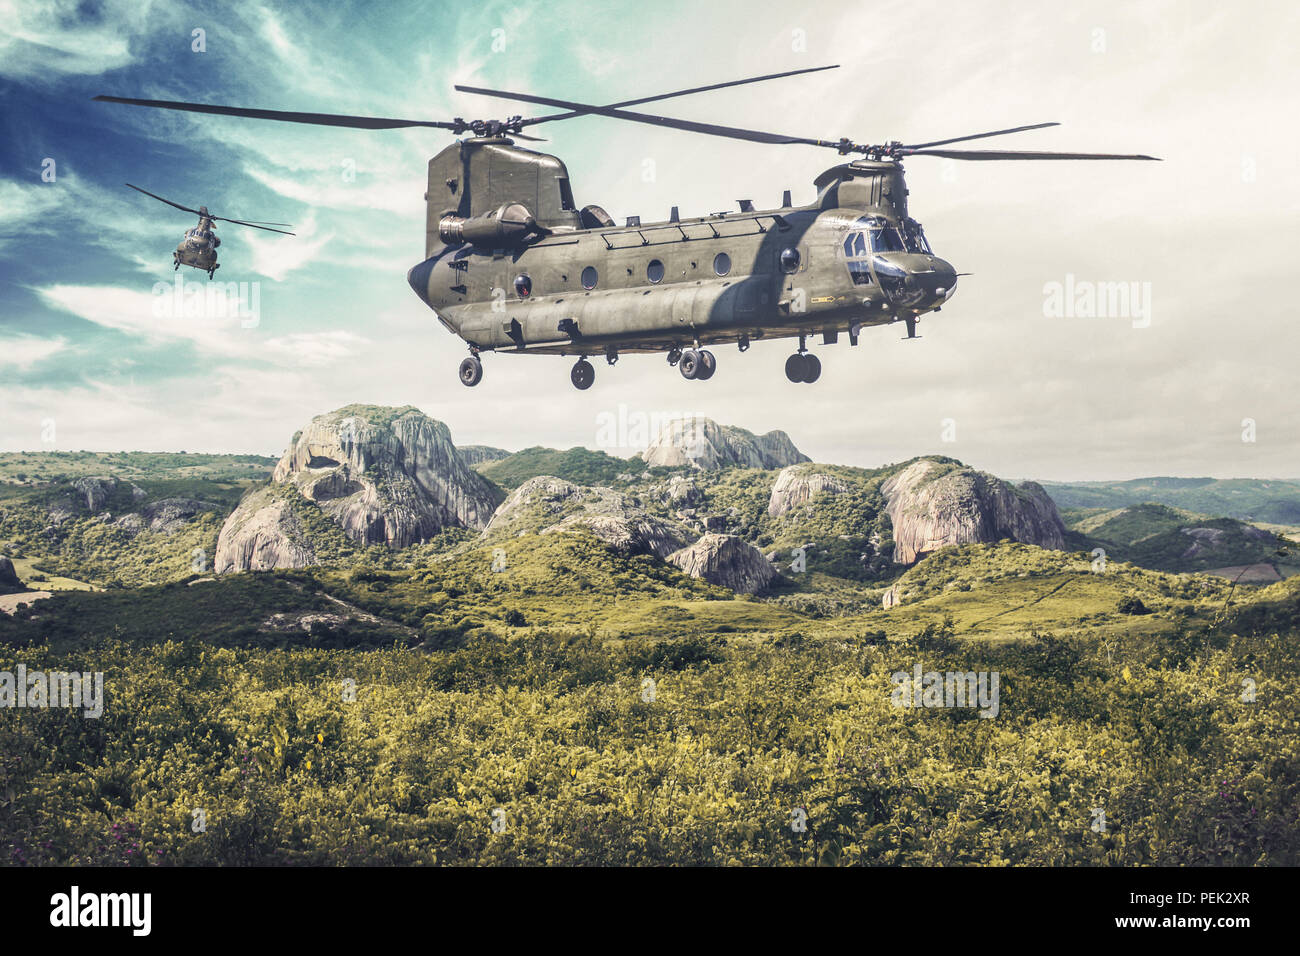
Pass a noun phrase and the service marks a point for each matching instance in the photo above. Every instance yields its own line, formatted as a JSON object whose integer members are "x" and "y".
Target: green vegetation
{"x": 1156, "y": 536}
{"x": 578, "y": 465}
{"x": 1248, "y": 499}
{"x": 587, "y": 763}
{"x": 34, "y": 467}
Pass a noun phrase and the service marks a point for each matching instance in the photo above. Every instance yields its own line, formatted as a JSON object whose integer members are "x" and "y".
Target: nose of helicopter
{"x": 917, "y": 283}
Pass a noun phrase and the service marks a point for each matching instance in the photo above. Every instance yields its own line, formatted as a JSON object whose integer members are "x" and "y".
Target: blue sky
{"x": 1211, "y": 230}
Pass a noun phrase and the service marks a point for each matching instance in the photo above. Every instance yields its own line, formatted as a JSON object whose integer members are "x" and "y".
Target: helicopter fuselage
{"x": 199, "y": 247}
{"x": 851, "y": 259}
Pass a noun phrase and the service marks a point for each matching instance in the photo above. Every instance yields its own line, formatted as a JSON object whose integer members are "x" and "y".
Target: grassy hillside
{"x": 691, "y": 741}
{"x": 52, "y": 529}
{"x": 1171, "y": 539}
{"x": 33, "y": 467}
{"x": 578, "y": 465}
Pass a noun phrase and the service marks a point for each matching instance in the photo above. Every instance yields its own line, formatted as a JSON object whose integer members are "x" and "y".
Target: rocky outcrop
{"x": 935, "y": 504}
{"x": 477, "y": 454}
{"x": 726, "y": 560}
{"x": 263, "y": 533}
{"x": 96, "y": 491}
{"x": 547, "y": 504}
{"x": 8, "y": 576}
{"x": 682, "y": 492}
{"x": 797, "y": 485}
{"x": 165, "y": 516}
{"x": 703, "y": 443}
{"x": 383, "y": 475}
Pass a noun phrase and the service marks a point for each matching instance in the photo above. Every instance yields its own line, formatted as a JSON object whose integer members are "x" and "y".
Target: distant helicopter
{"x": 512, "y": 264}
{"x": 199, "y": 247}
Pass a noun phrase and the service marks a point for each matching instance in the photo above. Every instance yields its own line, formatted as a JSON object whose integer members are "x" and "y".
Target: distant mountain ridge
{"x": 1275, "y": 501}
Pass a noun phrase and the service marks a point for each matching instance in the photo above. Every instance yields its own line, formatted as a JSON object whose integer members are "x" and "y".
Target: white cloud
{"x": 221, "y": 319}
{"x": 24, "y": 351}
{"x": 42, "y": 37}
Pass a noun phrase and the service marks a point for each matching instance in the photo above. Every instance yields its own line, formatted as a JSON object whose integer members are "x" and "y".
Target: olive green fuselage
{"x": 578, "y": 287}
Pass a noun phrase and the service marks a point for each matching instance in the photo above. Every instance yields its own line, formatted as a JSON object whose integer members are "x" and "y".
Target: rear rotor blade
{"x": 668, "y": 96}
{"x": 167, "y": 201}
{"x": 962, "y": 139}
{"x": 986, "y": 154}
{"x": 314, "y": 119}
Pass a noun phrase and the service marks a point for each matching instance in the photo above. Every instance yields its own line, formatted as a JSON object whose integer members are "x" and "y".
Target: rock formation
{"x": 383, "y": 475}
{"x": 726, "y": 560}
{"x": 546, "y": 504}
{"x": 263, "y": 533}
{"x": 932, "y": 504}
{"x": 796, "y": 485}
{"x": 477, "y": 454}
{"x": 8, "y": 576}
{"x": 703, "y": 443}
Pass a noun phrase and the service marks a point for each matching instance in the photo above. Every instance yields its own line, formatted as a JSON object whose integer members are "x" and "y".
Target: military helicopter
{"x": 199, "y": 247}
{"x": 512, "y": 264}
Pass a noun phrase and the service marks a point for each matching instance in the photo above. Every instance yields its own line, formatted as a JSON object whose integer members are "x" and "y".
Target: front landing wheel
{"x": 471, "y": 371}
{"x": 583, "y": 374}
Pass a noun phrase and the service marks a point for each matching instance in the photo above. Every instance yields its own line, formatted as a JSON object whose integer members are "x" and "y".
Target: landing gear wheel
{"x": 795, "y": 367}
{"x": 708, "y": 365}
{"x": 689, "y": 364}
{"x": 583, "y": 374}
{"x": 812, "y": 368}
{"x": 471, "y": 371}
{"x": 674, "y": 356}
{"x": 176, "y": 263}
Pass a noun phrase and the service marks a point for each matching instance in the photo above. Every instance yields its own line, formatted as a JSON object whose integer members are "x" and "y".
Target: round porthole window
{"x": 789, "y": 260}
{"x": 589, "y": 277}
{"x": 655, "y": 271}
{"x": 523, "y": 286}
{"x": 721, "y": 264}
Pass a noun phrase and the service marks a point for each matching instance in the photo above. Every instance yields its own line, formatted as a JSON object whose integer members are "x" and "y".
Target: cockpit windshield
{"x": 885, "y": 238}
{"x": 914, "y": 237}
{"x": 881, "y": 235}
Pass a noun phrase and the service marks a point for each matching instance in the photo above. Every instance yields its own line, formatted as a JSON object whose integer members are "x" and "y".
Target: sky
{"x": 1196, "y": 378}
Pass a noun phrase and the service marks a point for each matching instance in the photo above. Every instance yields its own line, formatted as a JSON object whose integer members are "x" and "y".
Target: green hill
{"x": 579, "y": 465}
{"x": 1247, "y": 499}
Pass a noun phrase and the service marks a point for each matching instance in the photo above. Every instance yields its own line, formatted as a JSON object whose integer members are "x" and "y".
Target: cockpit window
{"x": 885, "y": 238}
{"x": 914, "y": 237}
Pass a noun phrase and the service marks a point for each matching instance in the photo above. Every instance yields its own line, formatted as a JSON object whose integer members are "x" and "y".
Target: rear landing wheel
{"x": 674, "y": 356}
{"x": 708, "y": 365}
{"x": 812, "y": 368}
{"x": 471, "y": 371}
{"x": 583, "y": 374}
{"x": 794, "y": 367}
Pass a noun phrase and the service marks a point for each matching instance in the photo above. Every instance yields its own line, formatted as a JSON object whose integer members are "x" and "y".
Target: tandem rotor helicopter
{"x": 512, "y": 264}
{"x": 199, "y": 246}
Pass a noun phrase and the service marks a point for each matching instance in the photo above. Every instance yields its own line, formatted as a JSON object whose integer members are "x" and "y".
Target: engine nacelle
{"x": 506, "y": 226}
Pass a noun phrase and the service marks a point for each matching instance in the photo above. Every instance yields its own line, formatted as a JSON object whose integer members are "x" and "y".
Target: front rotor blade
{"x": 167, "y": 201}
{"x": 668, "y": 96}
{"x": 314, "y": 119}
{"x": 1007, "y": 154}
{"x": 240, "y": 222}
{"x": 962, "y": 139}
{"x": 731, "y": 132}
